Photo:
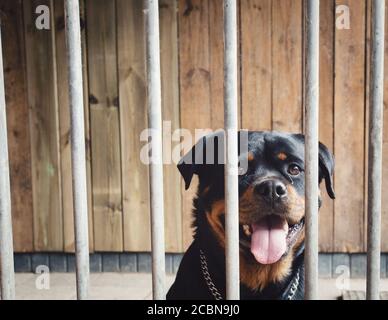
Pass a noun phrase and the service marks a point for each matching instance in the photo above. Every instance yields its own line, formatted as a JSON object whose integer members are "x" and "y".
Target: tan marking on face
{"x": 250, "y": 206}
{"x": 296, "y": 205}
{"x": 300, "y": 239}
{"x": 282, "y": 156}
{"x": 214, "y": 219}
{"x": 251, "y": 156}
{"x": 205, "y": 191}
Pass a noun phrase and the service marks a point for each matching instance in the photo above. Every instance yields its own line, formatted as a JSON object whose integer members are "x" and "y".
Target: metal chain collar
{"x": 294, "y": 287}
{"x": 217, "y": 295}
{"x": 205, "y": 271}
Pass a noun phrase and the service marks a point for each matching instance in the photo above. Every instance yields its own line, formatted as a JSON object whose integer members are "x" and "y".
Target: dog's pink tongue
{"x": 268, "y": 242}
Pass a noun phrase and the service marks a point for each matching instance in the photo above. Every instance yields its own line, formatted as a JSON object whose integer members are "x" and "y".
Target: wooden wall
{"x": 271, "y": 34}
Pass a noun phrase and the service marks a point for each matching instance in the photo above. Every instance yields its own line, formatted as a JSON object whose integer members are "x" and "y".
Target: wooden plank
{"x": 133, "y": 119}
{"x": 256, "y": 64}
{"x": 216, "y": 62}
{"x": 64, "y": 124}
{"x": 87, "y": 122}
{"x": 384, "y": 213}
{"x": 194, "y": 71}
{"x": 43, "y": 104}
{"x": 17, "y": 124}
{"x": 368, "y": 16}
{"x": 326, "y": 115}
{"x": 171, "y": 112}
{"x": 349, "y": 131}
{"x": 287, "y": 65}
{"x": 104, "y": 118}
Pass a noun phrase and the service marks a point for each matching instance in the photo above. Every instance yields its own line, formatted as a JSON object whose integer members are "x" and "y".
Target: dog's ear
{"x": 202, "y": 160}
{"x": 326, "y": 169}
{"x": 326, "y": 165}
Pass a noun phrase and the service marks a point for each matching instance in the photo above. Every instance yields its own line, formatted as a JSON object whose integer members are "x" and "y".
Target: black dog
{"x": 271, "y": 194}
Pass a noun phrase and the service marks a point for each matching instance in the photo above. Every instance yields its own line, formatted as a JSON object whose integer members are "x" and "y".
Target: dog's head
{"x": 271, "y": 193}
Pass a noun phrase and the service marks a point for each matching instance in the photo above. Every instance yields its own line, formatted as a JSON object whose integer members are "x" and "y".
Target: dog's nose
{"x": 271, "y": 190}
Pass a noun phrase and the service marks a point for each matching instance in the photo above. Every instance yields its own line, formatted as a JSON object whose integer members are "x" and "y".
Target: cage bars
{"x": 73, "y": 41}
{"x": 6, "y": 241}
{"x": 231, "y": 163}
{"x": 376, "y": 89}
{"x": 156, "y": 164}
{"x": 73, "y": 38}
{"x": 311, "y": 149}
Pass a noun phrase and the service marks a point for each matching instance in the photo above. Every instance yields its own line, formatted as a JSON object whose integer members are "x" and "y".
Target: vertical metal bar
{"x": 73, "y": 40}
{"x": 312, "y": 148}
{"x": 6, "y": 244}
{"x": 156, "y": 165}
{"x": 376, "y": 88}
{"x": 231, "y": 164}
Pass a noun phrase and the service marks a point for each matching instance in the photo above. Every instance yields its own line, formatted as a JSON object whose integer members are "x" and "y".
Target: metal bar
{"x": 73, "y": 40}
{"x": 376, "y": 88}
{"x": 231, "y": 138}
{"x": 6, "y": 242}
{"x": 156, "y": 165}
{"x": 312, "y": 148}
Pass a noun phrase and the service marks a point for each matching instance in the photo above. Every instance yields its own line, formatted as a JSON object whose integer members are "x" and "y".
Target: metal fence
{"x": 231, "y": 178}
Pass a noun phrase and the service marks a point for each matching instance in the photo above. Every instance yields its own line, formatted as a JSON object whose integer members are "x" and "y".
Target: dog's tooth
{"x": 247, "y": 230}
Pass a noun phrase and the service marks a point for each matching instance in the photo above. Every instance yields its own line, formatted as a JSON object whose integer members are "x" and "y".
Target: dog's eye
{"x": 293, "y": 170}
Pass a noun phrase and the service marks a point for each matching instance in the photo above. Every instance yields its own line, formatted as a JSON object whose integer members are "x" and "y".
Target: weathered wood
{"x": 368, "y": 14}
{"x": 349, "y": 131}
{"x": 216, "y": 61}
{"x": 384, "y": 212}
{"x": 194, "y": 69}
{"x": 132, "y": 95}
{"x": 104, "y": 118}
{"x": 326, "y": 115}
{"x": 17, "y": 124}
{"x": 64, "y": 124}
{"x": 256, "y": 64}
{"x": 171, "y": 113}
{"x": 87, "y": 122}
{"x": 44, "y": 131}
{"x": 271, "y": 74}
{"x": 287, "y": 65}
{"x": 133, "y": 119}
{"x": 7, "y": 274}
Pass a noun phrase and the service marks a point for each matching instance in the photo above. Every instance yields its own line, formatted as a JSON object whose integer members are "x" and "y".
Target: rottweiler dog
{"x": 271, "y": 218}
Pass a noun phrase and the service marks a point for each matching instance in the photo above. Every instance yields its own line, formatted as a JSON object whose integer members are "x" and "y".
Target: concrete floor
{"x": 128, "y": 286}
